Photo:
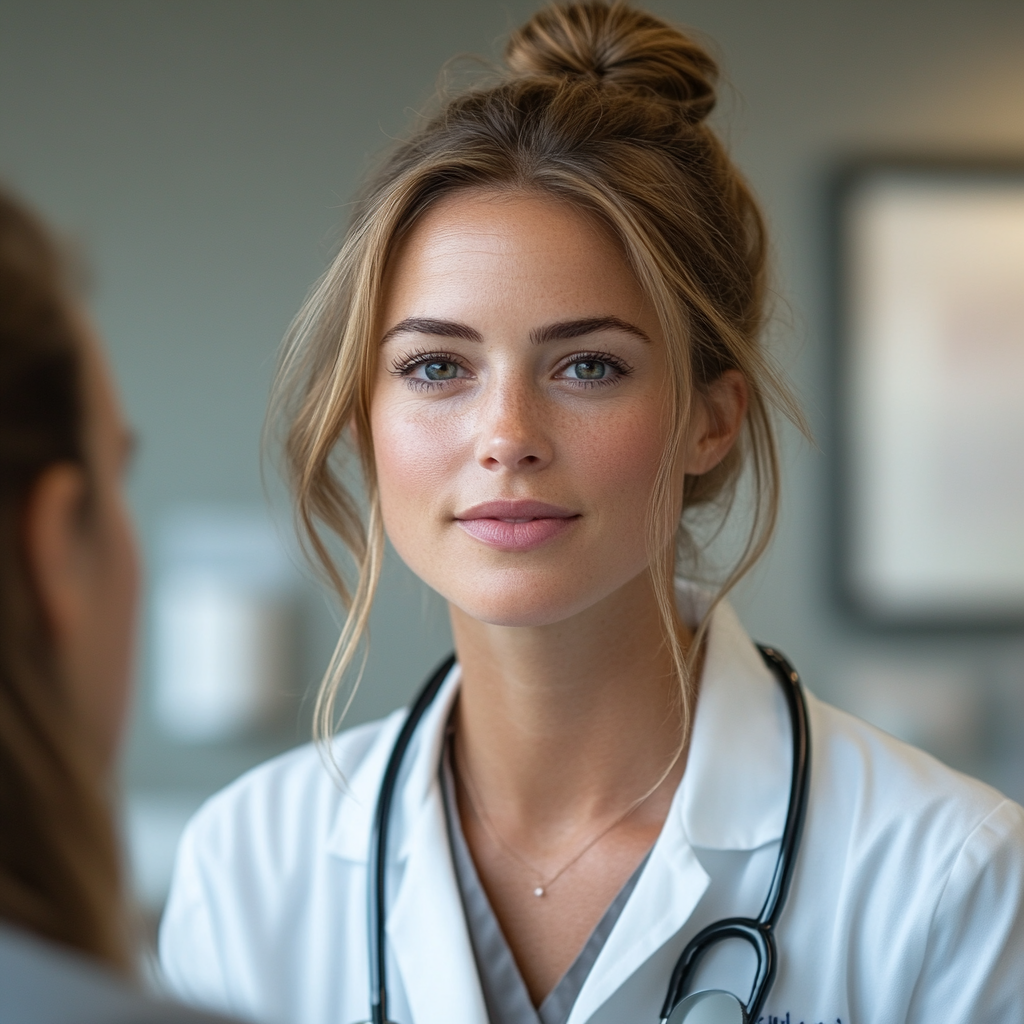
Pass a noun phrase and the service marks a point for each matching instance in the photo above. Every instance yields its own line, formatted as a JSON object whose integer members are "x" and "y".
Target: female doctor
{"x": 542, "y": 339}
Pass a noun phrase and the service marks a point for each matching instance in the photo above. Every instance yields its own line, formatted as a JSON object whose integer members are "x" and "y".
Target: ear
{"x": 54, "y": 545}
{"x": 717, "y": 419}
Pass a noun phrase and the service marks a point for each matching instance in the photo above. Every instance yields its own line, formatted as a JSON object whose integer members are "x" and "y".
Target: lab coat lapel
{"x": 349, "y": 837}
{"x": 350, "y": 833}
{"x": 735, "y": 791}
{"x": 669, "y": 888}
{"x": 427, "y": 928}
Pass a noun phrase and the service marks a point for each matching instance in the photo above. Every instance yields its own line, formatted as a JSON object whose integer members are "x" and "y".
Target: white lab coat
{"x": 907, "y": 902}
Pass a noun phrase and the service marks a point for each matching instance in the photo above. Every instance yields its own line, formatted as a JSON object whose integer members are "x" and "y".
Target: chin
{"x": 515, "y": 616}
{"x": 516, "y": 599}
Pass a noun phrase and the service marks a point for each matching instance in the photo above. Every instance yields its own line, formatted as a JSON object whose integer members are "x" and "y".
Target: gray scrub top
{"x": 505, "y": 993}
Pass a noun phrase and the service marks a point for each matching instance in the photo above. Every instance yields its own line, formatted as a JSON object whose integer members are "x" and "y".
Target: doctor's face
{"x": 518, "y": 413}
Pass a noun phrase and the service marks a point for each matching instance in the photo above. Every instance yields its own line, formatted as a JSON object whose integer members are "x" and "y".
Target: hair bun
{"x": 617, "y": 45}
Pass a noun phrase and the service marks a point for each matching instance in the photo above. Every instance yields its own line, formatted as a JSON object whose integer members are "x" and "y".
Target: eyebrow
{"x": 438, "y": 328}
{"x": 562, "y": 331}
{"x": 578, "y": 328}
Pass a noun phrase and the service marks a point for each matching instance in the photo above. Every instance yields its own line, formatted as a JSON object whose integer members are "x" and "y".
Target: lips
{"x": 516, "y": 525}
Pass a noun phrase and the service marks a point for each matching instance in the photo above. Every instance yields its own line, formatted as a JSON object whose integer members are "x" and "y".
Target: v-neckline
{"x": 505, "y": 992}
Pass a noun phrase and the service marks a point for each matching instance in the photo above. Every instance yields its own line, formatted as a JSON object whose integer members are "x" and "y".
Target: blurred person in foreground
{"x": 68, "y": 594}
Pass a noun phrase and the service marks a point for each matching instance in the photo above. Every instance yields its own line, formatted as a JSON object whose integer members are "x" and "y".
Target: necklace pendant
{"x": 539, "y": 891}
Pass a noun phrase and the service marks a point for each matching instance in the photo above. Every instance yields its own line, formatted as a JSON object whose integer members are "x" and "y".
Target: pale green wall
{"x": 203, "y": 152}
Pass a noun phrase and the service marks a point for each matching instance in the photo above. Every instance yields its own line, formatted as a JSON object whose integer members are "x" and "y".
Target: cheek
{"x": 416, "y": 459}
{"x": 106, "y": 646}
{"x": 122, "y": 608}
{"x": 618, "y": 459}
{"x": 129, "y": 572}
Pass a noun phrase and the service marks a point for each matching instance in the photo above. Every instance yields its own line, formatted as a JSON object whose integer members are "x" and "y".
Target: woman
{"x": 68, "y": 593}
{"x": 542, "y": 338}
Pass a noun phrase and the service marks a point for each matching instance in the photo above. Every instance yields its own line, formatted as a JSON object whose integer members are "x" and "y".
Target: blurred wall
{"x": 203, "y": 153}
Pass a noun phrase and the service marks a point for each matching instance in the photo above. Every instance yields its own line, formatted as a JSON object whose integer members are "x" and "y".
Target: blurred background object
{"x": 203, "y": 153}
{"x": 930, "y": 354}
{"x": 221, "y": 633}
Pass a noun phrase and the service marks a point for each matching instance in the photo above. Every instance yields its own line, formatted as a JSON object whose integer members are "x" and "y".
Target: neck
{"x": 563, "y": 725}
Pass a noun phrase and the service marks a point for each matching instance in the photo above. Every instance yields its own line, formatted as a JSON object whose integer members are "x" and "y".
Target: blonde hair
{"x": 60, "y": 872}
{"x": 602, "y": 107}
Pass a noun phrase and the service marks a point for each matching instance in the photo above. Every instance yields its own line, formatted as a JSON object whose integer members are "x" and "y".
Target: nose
{"x": 513, "y": 434}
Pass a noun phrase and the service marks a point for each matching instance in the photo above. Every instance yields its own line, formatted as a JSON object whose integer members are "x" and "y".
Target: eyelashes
{"x": 406, "y": 366}
{"x": 449, "y": 367}
{"x": 403, "y": 365}
{"x": 620, "y": 368}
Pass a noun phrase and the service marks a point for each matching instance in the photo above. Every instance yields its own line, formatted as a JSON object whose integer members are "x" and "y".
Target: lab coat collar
{"x": 350, "y": 836}
{"x": 735, "y": 790}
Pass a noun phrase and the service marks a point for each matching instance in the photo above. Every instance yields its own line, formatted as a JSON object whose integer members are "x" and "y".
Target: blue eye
{"x": 424, "y": 370}
{"x": 594, "y": 368}
{"x": 440, "y": 370}
{"x": 589, "y": 369}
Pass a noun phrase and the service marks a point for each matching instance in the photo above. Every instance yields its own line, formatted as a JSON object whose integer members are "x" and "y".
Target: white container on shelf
{"x": 222, "y": 624}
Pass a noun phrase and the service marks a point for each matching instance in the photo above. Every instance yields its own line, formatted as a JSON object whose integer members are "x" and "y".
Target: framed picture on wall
{"x": 930, "y": 392}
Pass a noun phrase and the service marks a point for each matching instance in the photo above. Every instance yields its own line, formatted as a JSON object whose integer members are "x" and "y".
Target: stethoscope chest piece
{"x": 712, "y": 1006}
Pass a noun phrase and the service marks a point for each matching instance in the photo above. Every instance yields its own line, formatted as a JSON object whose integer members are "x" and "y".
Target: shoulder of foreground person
{"x": 42, "y": 983}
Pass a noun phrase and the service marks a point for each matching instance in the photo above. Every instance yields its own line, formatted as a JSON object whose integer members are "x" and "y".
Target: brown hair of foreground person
{"x": 59, "y": 863}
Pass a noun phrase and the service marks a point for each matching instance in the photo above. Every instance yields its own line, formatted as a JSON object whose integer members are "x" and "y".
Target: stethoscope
{"x": 709, "y": 1006}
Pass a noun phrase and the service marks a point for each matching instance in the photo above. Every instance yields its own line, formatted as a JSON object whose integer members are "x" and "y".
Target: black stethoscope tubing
{"x": 758, "y": 932}
{"x": 379, "y": 843}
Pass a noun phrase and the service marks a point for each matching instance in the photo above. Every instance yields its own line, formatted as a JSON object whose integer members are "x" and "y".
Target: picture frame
{"x": 928, "y": 290}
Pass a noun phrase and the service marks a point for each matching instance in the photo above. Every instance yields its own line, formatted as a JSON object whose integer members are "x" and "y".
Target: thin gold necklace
{"x": 542, "y": 885}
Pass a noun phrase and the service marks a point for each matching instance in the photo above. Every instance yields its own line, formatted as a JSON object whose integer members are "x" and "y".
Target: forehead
{"x": 515, "y": 253}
